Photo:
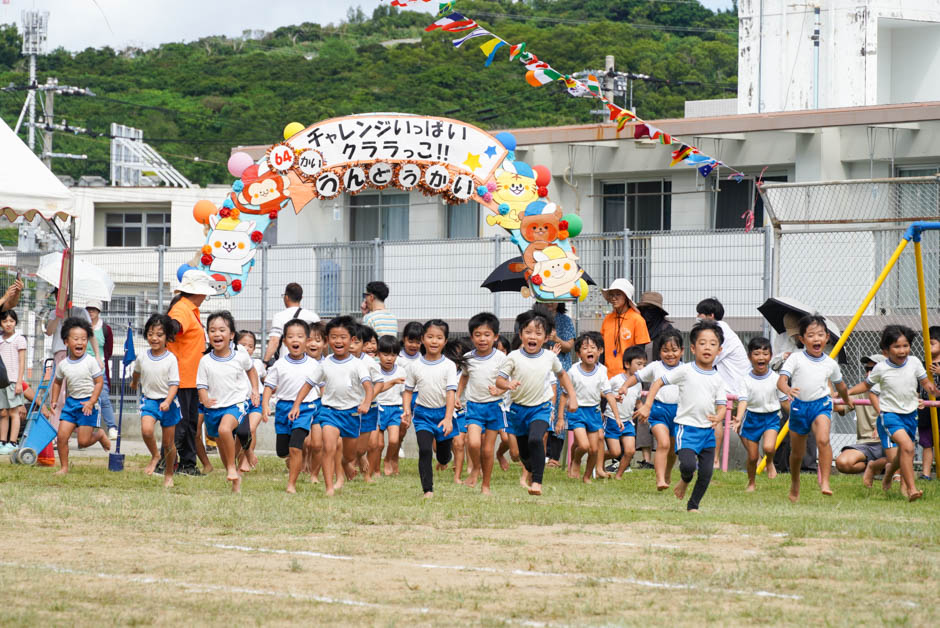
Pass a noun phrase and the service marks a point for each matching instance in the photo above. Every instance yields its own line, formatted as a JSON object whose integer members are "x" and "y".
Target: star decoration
{"x": 472, "y": 161}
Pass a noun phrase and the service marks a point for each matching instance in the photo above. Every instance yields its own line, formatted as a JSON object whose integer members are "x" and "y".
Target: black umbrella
{"x": 504, "y": 280}
{"x": 775, "y": 308}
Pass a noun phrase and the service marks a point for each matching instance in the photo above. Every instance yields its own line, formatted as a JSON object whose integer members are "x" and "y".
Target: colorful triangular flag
{"x": 477, "y": 32}
{"x": 515, "y": 50}
{"x": 706, "y": 169}
{"x": 490, "y": 48}
{"x": 453, "y": 23}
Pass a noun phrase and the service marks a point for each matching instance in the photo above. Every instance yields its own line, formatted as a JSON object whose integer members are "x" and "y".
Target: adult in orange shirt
{"x": 188, "y": 347}
{"x": 622, "y": 328}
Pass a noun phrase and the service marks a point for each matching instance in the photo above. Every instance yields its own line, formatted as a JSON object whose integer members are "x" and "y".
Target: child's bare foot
{"x": 602, "y": 474}
{"x": 503, "y": 463}
{"x": 679, "y": 491}
{"x": 525, "y": 479}
{"x": 886, "y": 483}
{"x": 387, "y": 468}
{"x": 208, "y": 469}
{"x": 440, "y": 467}
{"x": 151, "y": 465}
{"x": 553, "y": 464}
{"x": 394, "y": 468}
{"x": 535, "y": 489}
{"x": 485, "y": 490}
{"x": 105, "y": 442}
{"x": 586, "y": 478}
{"x": 340, "y": 480}
{"x": 750, "y": 488}
{"x": 368, "y": 478}
{"x": 917, "y": 494}
{"x": 574, "y": 472}
{"x": 252, "y": 459}
{"x": 868, "y": 477}
{"x": 291, "y": 489}
{"x": 237, "y": 485}
{"x": 794, "y": 495}
{"x": 904, "y": 491}
{"x": 429, "y": 495}
{"x": 329, "y": 492}
{"x": 244, "y": 466}
{"x": 662, "y": 485}
{"x": 314, "y": 479}
{"x": 471, "y": 480}
{"x": 457, "y": 480}
{"x": 693, "y": 510}
{"x": 62, "y": 471}
{"x": 772, "y": 471}
{"x": 232, "y": 474}
{"x": 826, "y": 490}
{"x": 168, "y": 481}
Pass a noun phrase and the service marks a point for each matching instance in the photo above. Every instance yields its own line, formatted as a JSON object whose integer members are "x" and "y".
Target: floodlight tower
{"x": 35, "y": 33}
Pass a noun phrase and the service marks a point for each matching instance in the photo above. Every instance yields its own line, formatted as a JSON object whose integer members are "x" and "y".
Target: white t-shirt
{"x": 375, "y": 371}
{"x": 432, "y": 380}
{"x": 405, "y": 360}
{"x": 898, "y": 384}
{"x": 699, "y": 393}
{"x": 392, "y": 396}
{"x": 531, "y": 369}
{"x": 655, "y": 370}
{"x": 810, "y": 375}
{"x": 260, "y": 369}
{"x": 287, "y": 376}
{"x": 157, "y": 374}
{"x": 627, "y": 405}
{"x": 732, "y": 362}
{"x": 341, "y": 383}
{"x": 285, "y": 316}
{"x": 589, "y": 386}
{"x": 761, "y": 392}
{"x": 225, "y": 379}
{"x": 79, "y": 375}
{"x": 482, "y": 371}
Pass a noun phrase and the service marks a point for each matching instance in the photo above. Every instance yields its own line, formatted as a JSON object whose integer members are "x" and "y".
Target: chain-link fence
{"x": 831, "y": 241}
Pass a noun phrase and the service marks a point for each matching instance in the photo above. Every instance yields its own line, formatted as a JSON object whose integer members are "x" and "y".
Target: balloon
{"x": 574, "y": 224}
{"x": 543, "y": 176}
{"x": 202, "y": 210}
{"x": 182, "y": 269}
{"x": 584, "y": 290}
{"x": 250, "y": 174}
{"x": 238, "y": 162}
{"x": 293, "y": 129}
{"x": 508, "y": 140}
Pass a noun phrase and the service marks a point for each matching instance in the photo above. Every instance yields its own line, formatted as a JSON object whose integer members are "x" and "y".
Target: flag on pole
{"x": 129, "y": 354}
{"x": 490, "y": 48}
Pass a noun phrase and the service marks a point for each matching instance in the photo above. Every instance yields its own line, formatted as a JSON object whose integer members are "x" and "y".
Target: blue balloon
{"x": 238, "y": 186}
{"x": 508, "y": 140}
{"x": 182, "y": 269}
{"x": 228, "y": 203}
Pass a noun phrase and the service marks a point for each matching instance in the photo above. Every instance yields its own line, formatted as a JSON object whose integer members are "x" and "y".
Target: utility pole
{"x": 47, "y": 105}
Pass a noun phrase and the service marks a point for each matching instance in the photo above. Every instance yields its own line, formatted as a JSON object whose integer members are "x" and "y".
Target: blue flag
{"x": 129, "y": 354}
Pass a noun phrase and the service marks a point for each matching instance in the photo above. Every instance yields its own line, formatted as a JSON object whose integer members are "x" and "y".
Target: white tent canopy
{"x": 27, "y": 187}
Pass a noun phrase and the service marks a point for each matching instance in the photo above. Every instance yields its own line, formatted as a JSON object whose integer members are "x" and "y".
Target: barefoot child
{"x": 898, "y": 378}
{"x": 247, "y": 459}
{"x": 158, "y": 373}
{"x": 484, "y": 414}
{"x": 758, "y": 416}
{"x": 345, "y": 395}
{"x": 525, "y": 372}
{"x": 701, "y": 405}
{"x": 368, "y": 422}
{"x": 13, "y": 353}
{"x": 663, "y": 411}
{"x": 434, "y": 377}
{"x": 590, "y": 384}
{"x": 313, "y": 446}
{"x": 804, "y": 378}
{"x": 389, "y": 401}
{"x": 226, "y": 381}
{"x": 285, "y": 379}
{"x": 622, "y": 443}
{"x": 410, "y": 353}
{"x": 454, "y": 351}
{"x": 83, "y": 380}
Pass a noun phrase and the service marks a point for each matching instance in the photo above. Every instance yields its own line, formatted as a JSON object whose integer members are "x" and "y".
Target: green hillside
{"x": 201, "y": 98}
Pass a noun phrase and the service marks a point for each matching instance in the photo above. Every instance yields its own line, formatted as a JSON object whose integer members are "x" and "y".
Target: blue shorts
{"x": 426, "y": 420}
{"x": 460, "y": 422}
{"x": 369, "y": 422}
{"x": 891, "y": 422}
{"x": 318, "y": 404}
{"x": 588, "y": 418}
{"x": 694, "y": 438}
{"x": 212, "y": 417}
{"x": 72, "y": 412}
{"x": 346, "y": 421}
{"x": 283, "y": 425}
{"x": 612, "y": 431}
{"x": 664, "y": 414}
{"x": 389, "y": 415}
{"x": 521, "y": 417}
{"x": 252, "y": 409}
{"x": 756, "y": 423}
{"x": 151, "y": 407}
{"x": 804, "y": 413}
{"x": 489, "y": 416}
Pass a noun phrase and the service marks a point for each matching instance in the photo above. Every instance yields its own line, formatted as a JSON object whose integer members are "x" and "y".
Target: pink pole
{"x": 726, "y": 444}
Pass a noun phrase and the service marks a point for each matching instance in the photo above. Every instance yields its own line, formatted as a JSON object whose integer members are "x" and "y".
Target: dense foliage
{"x": 202, "y": 98}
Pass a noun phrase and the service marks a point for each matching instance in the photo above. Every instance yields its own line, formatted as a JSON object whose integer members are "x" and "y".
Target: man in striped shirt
{"x": 373, "y": 306}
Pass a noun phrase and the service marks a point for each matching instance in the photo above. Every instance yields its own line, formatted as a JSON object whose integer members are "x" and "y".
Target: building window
{"x": 137, "y": 229}
{"x": 463, "y": 221}
{"x": 735, "y": 198}
{"x": 383, "y": 216}
{"x": 637, "y": 206}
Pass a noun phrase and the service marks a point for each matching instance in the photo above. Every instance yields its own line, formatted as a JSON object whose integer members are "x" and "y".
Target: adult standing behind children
{"x": 622, "y": 328}
{"x": 376, "y": 315}
{"x": 293, "y": 294}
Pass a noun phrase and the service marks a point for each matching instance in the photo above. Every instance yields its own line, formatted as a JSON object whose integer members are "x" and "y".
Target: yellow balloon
{"x": 584, "y": 290}
{"x": 293, "y": 129}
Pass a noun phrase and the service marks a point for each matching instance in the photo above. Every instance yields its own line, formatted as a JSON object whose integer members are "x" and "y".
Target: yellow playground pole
{"x": 848, "y": 330}
{"x": 928, "y": 358}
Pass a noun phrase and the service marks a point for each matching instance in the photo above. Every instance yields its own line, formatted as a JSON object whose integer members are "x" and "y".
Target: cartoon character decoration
{"x": 517, "y": 185}
{"x": 262, "y": 194}
{"x": 230, "y": 241}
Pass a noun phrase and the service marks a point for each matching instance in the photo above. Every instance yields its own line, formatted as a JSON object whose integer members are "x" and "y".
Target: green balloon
{"x": 574, "y": 224}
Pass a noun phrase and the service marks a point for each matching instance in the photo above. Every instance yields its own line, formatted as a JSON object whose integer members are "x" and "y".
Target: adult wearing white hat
{"x": 623, "y": 328}
{"x": 188, "y": 347}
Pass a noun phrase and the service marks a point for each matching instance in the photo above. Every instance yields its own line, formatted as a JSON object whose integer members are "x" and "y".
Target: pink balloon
{"x": 238, "y": 162}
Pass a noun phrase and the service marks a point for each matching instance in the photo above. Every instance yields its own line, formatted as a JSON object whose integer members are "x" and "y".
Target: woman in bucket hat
{"x": 623, "y": 328}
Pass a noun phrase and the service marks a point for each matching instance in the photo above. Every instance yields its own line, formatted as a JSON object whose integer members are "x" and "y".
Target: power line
{"x": 561, "y": 20}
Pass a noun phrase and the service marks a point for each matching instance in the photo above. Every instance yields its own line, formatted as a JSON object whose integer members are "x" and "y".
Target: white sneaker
{"x": 112, "y": 433}
{"x": 5, "y": 448}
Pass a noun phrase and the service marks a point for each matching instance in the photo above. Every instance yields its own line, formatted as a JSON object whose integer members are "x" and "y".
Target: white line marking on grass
{"x": 520, "y": 572}
{"x": 640, "y": 545}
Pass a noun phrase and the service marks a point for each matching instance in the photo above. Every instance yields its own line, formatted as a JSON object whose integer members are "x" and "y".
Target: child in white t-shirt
{"x": 247, "y": 460}
{"x": 621, "y": 441}
{"x": 13, "y": 353}
{"x": 389, "y": 400}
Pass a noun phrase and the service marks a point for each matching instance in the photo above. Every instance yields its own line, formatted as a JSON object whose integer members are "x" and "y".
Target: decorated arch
{"x": 438, "y": 156}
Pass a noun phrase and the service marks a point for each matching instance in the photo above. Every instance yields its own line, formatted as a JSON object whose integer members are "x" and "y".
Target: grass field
{"x": 101, "y": 548}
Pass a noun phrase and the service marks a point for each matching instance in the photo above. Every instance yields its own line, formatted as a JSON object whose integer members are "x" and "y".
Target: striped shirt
{"x": 383, "y": 322}
{"x": 10, "y": 354}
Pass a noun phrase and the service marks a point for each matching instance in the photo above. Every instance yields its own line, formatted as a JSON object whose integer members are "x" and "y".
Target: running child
{"x": 454, "y": 350}
{"x": 285, "y": 379}
{"x": 587, "y": 423}
{"x": 898, "y": 378}
{"x": 389, "y": 400}
{"x": 804, "y": 379}
{"x": 247, "y": 459}
{"x": 621, "y": 443}
{"x": 313, "y": 446}
{"x": 83, "y": 380}
{"x": 226, "y": 382}
{"x": 507, "y": 443}
{"x": 663, "y": 411}
{"x": 345, "y": 395}
{"x": 524, "y": 373}
{"x": 410, "y": 352}
{"x": 158, "y": 374}
{"x": 370, "y": 350}
{"x": 701, "y": 403}
{"x": 485, "y": 416}
{"x": 368, "y": 422}
{"x": 924, "y": 425}
{"x": 13, "y": 354}
{"x": 758, "y": 416}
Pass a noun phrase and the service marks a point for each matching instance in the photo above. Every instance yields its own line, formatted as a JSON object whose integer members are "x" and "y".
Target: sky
{"x": 78, "y": 24}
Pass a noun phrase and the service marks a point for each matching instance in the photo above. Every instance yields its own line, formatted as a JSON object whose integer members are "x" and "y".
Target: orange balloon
{"x": 202, "y": 210}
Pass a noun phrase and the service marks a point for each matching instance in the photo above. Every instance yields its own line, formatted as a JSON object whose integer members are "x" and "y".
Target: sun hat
{"x": 95, "y": 303}
{"x": 196, "y": 282}
{"x": 623, "y": 286}
{"x": 652, "y": 299}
